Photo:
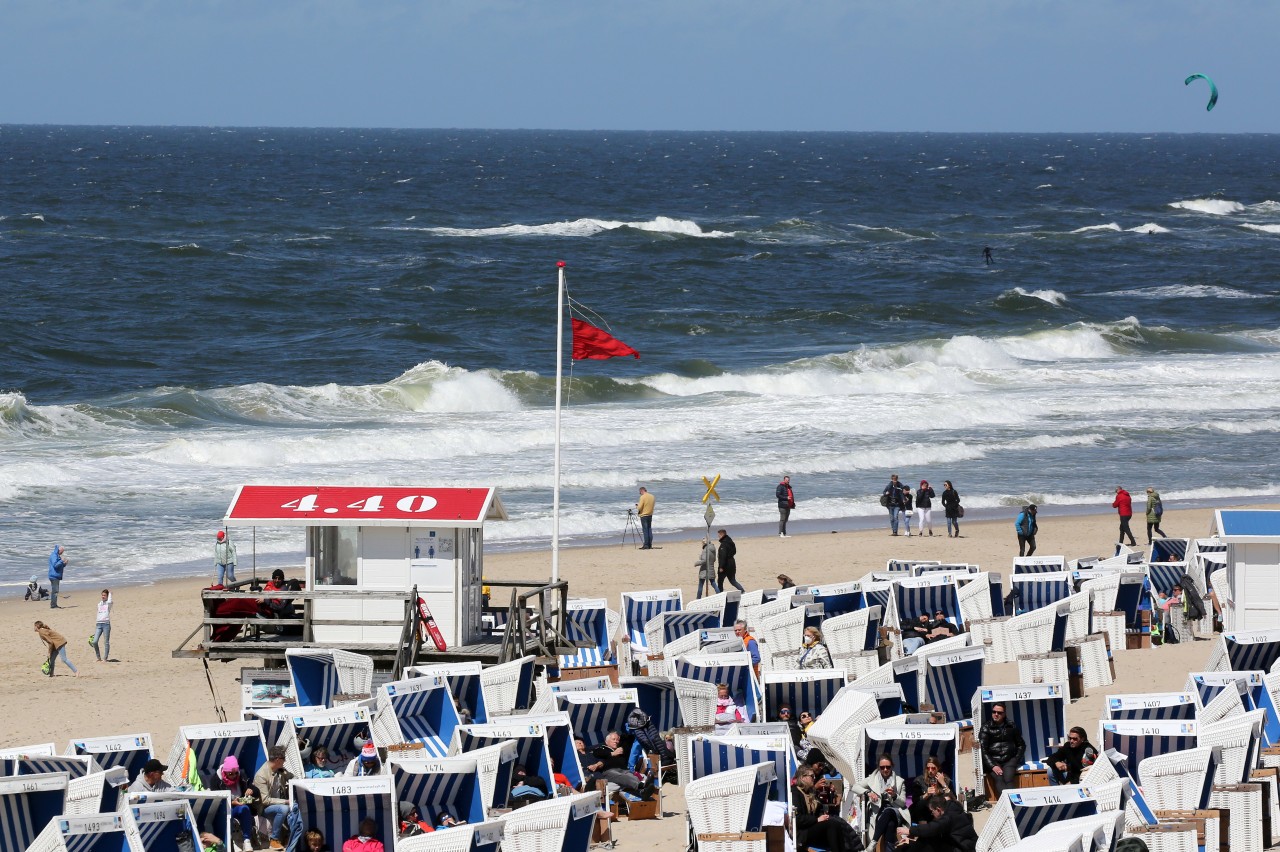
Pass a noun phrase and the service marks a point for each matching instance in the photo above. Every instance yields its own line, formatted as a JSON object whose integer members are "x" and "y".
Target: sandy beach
{"x": 147, "y": 690}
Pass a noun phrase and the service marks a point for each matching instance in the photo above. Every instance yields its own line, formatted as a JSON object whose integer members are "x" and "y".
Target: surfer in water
{"x": 986, "y": 255}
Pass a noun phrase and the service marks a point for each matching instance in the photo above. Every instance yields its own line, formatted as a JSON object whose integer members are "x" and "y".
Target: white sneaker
{"x": 246, "y": 846}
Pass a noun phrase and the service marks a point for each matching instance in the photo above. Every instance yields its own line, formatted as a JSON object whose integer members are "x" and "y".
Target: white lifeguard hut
{"x": 1252, "y": 537}
{"x": 369, "y": 540}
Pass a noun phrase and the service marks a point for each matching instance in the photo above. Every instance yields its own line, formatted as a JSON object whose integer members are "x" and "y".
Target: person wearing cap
{"x": 229, "y": 778}
{"x": 57, "y": 566}
{"x": 151, "y": 778}
{"x": 366, "y": 764}
{"x": 272, "y": 785}
{"x": 1026, "y": 527}
{"x": 224, "y": 557}
{"x": 411, "y": 822}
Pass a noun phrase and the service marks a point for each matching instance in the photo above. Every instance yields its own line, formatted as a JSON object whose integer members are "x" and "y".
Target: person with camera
{"x": 886, "y": 799}
{"x": 950, "y": 830}
{"x": 816, "y": 822}
{"x": 644, "y": 508}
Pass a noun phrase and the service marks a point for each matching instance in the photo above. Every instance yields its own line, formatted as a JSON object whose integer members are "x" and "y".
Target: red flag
{"x": 597, "y": 344}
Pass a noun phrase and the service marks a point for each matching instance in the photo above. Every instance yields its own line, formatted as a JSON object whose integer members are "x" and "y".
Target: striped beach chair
{"x": 1038, "y": 710}
{"x": 590, "y": 624}
{"x": 1041, "y": 631}
{"x": 907, "y": 566}
{"x": 1138, "y": 740}
{"x": 928, "y": 593}
{"x": 838, "y": 598}
{"x": 274, "y": 720}
{"x": 723, "y": 604}
{"x": 853, "y": 639}
{"x": 209, "y": 745}
{"x": 27, "y": 805}
{"x": 638, "y": 608}
{"x": 89, "y": 833}
{"x": 910, "y": 746}
{"x": 974, "y": 597}
{"x": 473, "y": 837}
{"x": 1179, "y": 780}
{"x": 464, "y": 686}
{"x": 1098, "y": 833}
{"x": 335, "y": 728}
{"x": 1242, "y": 651}
{"x": 801, "y": 689}
{"x": 709, "y": 755}
{"x": 731, "y": 801}
{"x": 494, "y": 766}
{"x": 129, "y": 751}
{"x": 508, "y": 687}
{"x": 560, "y": 825}
{"x": 948, "y": 680}
{"x": 158, "y": 826}
{"x": 74, "y": 767}
{"x": 783, "y": 634}
{"x": 657, "y": 697}
{"x": 419, "y": 711}
{"x": 542, "y": 743}
{"x": 1024, "y": 813}
{"x": 1111, "y": 766}
{"x": 1143, "y": 706}
{"x": 837, "y": 733}
{"x": 441, "y": 787}
{"x": 592, "y": 715}
{"x": 319, "y": 674}
{"x": 669, "y": 625}
{"x": 336, "y": 806}
{"x": 734, "y": 669}
{"x": 8, "y": 755}
{"x": 1039, "y": 590}
{"x": 1039, "y": 564}
{"x": 1240, "y": 740}
{"x": 210, "y": 809}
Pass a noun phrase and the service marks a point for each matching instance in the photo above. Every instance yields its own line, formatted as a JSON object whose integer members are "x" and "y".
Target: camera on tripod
{"x": 631, "y": 512}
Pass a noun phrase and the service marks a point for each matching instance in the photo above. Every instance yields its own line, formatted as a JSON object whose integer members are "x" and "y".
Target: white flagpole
{"x": 555, "y": 493}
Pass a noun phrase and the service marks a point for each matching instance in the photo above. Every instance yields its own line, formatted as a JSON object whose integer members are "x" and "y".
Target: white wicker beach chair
{"x": 1043, "y": 668}
{"x": 722, "y": 803}
{"x": 838, "y": 733}
{"x": 697, "y": 700}
{"x": 1177, "y": 780}
{"x": 1100, "y": 831}
{"x": 1102, "y": 591}
{"x": 1238, "y": 737}
{"x": 1078, "y": 607}
{"x": 992, "y": 634}
{"x": 503, "y": 684}
{"x": 768, "y": 609}
{"x": 783, "y": 632}
{"x": 1244, "y": 801}
{"x": 462, "y": 838}
{"x": 1095, "y": 661}
{"x": 95, "y": 792}
{"x": 542, "y": 827}
{"x": 848, "y": 632}
{"x": 70, "y": 833}
{"x": 1031, "y": 632}
{"x": 1226, "y": 704}
{"x": 975, "y": 598}
{"x": 1168, "y": 839}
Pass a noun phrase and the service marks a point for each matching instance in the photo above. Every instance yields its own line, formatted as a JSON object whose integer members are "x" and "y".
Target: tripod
{"x": 632, "y": 529}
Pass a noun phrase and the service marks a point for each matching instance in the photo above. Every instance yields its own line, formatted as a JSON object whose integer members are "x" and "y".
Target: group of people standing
{"x": 905, "y": 505}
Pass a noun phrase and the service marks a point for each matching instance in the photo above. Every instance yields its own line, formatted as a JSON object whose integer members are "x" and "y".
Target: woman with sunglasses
{"x": 787, "y": 716}
{"x": 886, "y": 795}
{"x": 932, "y": 782}
{"x": 1075, "y": 756}
{"x": 814, "y": 823}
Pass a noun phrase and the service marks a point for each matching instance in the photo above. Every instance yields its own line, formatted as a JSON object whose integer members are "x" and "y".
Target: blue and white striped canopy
{"x": 314, "y": 675}
{"x": 1152, "y": 705}
{"x": 27, "y": 805}
{"x": 906, "y": 673}
{"x": 333, "y": 728}
{"x": 75, "y": 767}
{"x": 544, "y": 744}
{"x": 211, "y": 809}
{"x": 1039, "y": 565}
{"x": 592, "y": 715}
{"x": 336, "y": 806}
{"x": 587, "y": 621}
{"x": 911, "y": 746}
{"x": 951, "y": 679}
{"x": 1139, "y": 740}
{"x": 422, "y": 709}
{"x": 802, "y": 689}
{"x": 1033, "y": 809}
{"x": 677, "y": 623}
{"x": 657, "y": 697}
{"x": 1255, "y": 650}
{"x": 130, "y": 751}
{"x": 444, "y": 787}
{"x": 734, "y": 669}
{"x": 1038, "y": 710}
{"x": 709, "y": 755}
{"x": 928, "y": 594}
{"x": 212, "y": 744}
{"x": 464, "y": 685}
{"x": 1131, "y": 597}
{"x": 1169, "y": 550}
{"x": 839, "y": 598}
{"x": 639, "y": 607}
{"x": 91, "y": 833}
{"x": 158, "y": 825}
{"x": 275, "y": 720}
{"x": 1207, "y": 685}
{"x": 905, "y": 566}
{"x": 1041, "y": 589}
{"x": 1165, "y": 575}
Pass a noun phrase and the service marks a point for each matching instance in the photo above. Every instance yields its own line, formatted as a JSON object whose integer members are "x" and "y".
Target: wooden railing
{"x": 536, "y": 620}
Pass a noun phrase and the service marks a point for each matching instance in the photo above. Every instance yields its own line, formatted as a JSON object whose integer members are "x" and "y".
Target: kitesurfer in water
{"x": 986, "y": 255}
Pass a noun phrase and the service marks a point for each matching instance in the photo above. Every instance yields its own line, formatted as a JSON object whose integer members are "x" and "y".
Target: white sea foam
{"x": 1053, "y": 297}
{"x": 1045, "y": 186}
{"x": 1110, "y": 226}
{"x": 1266, "y": 229}
{"x": 578, "y": 228}
{"x": 1150, "y": 228}
{"x": 1187, "y": 291}
{"x": 1213, "y": 206}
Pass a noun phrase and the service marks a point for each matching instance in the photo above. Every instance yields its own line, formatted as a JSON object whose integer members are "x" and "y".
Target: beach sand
{"x": 149, "y": 691}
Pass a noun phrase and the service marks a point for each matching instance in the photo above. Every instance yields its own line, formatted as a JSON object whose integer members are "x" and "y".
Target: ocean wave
{"x": 1110, "y": 226}
{"x": 1244, "y": 427}
{"x": 1150, "y": 228}
{"x": 1018, "y": 294}
{"x": 578, "y": 228}
{"x": 1266, "y": 229}
{"x": 1187, "y": 291}
{"x": 1212, "y": 206}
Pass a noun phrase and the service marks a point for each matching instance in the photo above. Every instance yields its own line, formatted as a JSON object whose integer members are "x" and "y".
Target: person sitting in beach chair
{"x": 365, "y": 840}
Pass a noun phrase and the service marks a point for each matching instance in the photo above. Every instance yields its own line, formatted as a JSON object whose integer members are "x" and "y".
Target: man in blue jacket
{"x": 56, "y": 566}
{"x": 1026, "y": 527}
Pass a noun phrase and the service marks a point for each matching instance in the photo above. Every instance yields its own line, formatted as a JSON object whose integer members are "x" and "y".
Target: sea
{"x": 184, "y": 310}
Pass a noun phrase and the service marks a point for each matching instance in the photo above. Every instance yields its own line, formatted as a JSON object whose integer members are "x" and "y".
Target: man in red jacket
{"x": 1124, "y": 505}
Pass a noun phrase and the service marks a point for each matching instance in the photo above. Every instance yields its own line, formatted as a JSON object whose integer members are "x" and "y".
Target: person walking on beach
{"x": 951, "y": 507}
{"x": 57, "y": 565}
{"x": 706, "y": 566}
{"x": 1026, "y": 528}
{"x": 786, "y": 502}
{"x": 891, "y": 499}
{"x": 908, "y": 507}
{"x": 1123, "y": 504}
{"x": 56, "y": 644}
{"x": 1155, "y": 511}
{"x": 224, "y": 558}
{"x": 924, "y": 507}
{"x": 727, "y": 567}
{"x": 101, "y": 640}
{"x": 644, "y": 508}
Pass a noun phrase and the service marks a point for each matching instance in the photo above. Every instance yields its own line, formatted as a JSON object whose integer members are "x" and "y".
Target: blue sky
{"x": 904, "y": 65}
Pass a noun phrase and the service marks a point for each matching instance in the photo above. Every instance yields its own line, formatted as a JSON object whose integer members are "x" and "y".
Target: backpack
{"x": 1158, "y": 507}
{"x": 884, "y": 499}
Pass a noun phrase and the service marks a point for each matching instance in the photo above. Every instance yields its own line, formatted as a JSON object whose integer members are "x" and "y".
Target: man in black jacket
{"x": 727, "y": 563}
{"x": 1003, "y": 750}
{"x": 891, "y": 499}
{"x": 951, "y": 829}
{"x": 1066, "y": 764}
